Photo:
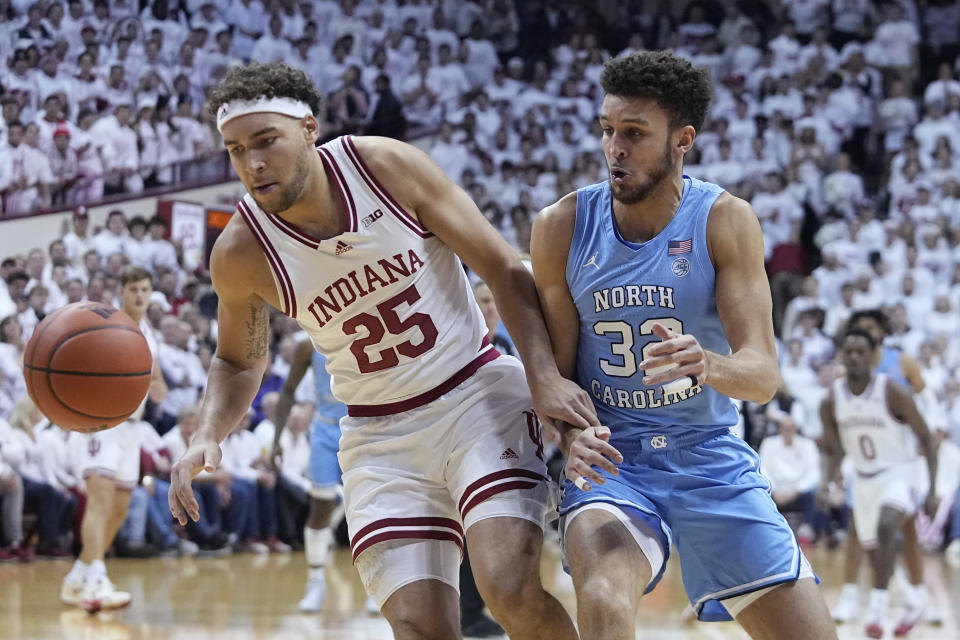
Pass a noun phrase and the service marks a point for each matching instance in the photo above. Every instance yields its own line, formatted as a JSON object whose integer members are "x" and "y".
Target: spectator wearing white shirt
{"x": 182, "y": 370}
{"x": 90, "y": 184}
{"x": 63, "y": 166}
{"x": 843, "y": 189}
{"x": 31, "y": 176}
{"x": 778, "y": 211}
{"x": 420, "y": 94}
{"x": 786, "y": 47}
{"x": 120, "y": 154}
{"x": 935, "y": 125}
{"x": 943, "y": 87}
{"x": 54, "y": 509}
{"x": 136, "y": 247}
{"x": 113, "y": 238}
{"x": 791, "y": 462}
{"x": 272, "y": 46}
{"x": 894, "y": 44}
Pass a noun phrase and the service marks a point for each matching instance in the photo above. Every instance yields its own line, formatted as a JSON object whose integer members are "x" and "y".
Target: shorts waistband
{"x": 488, "y": 353}
{"x": 654, "y": 442}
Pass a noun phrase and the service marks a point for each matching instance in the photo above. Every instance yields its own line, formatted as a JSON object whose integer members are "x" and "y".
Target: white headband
{"x": 285, "y": 106}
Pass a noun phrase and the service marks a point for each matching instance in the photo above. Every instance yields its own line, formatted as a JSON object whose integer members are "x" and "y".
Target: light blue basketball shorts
{"x": 324, "y": 466}
{"x": 703, "y": 493}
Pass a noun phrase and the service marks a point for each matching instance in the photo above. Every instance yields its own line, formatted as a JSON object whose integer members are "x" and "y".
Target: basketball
{"x": 87, "y": 366}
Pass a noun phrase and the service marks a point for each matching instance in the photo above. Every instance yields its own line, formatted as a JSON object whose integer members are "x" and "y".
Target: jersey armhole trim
{"x": 280, "y": 275}
{"x": 378, "y": 189}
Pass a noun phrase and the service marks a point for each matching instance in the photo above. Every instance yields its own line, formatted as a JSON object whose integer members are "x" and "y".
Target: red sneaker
{"x": 24, "y": 553}
{"x": 8, "y": 556}
{"x": 874, "y": 630}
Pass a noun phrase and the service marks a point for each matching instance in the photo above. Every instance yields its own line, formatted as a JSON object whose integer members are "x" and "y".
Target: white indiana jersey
{"x": 150, "y": 336}
{"x": 871, "y": 437}
{"x": 387, "y": 303}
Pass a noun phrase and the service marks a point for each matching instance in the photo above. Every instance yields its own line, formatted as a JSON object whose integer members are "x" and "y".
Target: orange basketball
{"x": 87, "y": 366}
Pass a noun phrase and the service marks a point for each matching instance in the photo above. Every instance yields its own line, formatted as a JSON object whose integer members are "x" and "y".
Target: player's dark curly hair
{"x": 681, "y": 89}
{"x": 860, "y": 333}
{"x": 877, "y": 315}
{"x": 272, "y": 79}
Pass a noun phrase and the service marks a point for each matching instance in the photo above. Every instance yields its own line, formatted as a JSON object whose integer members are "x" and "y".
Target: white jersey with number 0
{"x": 870, "y": 435}
{"x": 386, "y": 302}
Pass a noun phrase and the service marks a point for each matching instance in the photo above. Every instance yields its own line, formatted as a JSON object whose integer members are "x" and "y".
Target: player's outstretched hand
{"x": 591, "y": 449}
{"x": 560, "y": 399}
{"x": 675, "y": 356}
{"x": 201, "y": 455}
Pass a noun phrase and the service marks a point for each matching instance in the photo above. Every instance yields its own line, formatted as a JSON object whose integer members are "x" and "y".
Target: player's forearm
{"x": 930, "y": 453}
{"x": 746, "y": 375}
{"x": 284, "y": 403}
{"x": 519, "y": 307}
{"x": 230, "y": 391}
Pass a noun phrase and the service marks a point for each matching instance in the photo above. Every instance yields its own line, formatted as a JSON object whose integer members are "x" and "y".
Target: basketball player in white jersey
{"x": 905, "y": 371}
{"x": 111, "y": 467}
{"x": 360, "y": 241}
{"x": 869, "y": 418}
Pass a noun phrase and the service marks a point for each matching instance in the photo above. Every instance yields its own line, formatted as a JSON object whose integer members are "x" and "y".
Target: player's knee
{"x": 424, "y": 623}
{"x": 889, "y": 525}
{"x": 599, "y": 596}
{"x": 425, "y": 626}
{"x": 509, "y": 596}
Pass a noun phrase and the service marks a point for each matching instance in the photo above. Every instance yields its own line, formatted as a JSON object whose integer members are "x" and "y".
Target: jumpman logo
{"x": 592, "y": 262}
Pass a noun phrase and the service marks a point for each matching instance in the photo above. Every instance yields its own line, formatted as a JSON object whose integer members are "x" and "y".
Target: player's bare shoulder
{"x": 733, "y": 226}
{"x": 398, "y": 166}
{"x": 553, "y": 228}
{"x": 238, "y": 266}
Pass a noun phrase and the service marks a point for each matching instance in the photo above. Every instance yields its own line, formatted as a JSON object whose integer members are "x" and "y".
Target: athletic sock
{"x": 97, "y": 568}
{"x": 78, "y": 571}
{"x": 316, "y": 547}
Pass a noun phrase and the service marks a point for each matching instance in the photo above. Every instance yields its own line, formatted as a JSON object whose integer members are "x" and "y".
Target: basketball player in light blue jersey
{"x": 324, "y": 466}
{"x": 649, "y": 279}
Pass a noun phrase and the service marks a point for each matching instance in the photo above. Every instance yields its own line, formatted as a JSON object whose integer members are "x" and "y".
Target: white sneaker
{"x": 71, "y": 591}
{"x": 371, "y": 606}
{"x": 99, "y": 594}
{"x": 845, "y": 610}
{"x": 953, "y": 553}
{"x": 313, "y": 599}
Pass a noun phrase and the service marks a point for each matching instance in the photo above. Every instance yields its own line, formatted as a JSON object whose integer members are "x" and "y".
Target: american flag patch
{"x": 679, "y": 247}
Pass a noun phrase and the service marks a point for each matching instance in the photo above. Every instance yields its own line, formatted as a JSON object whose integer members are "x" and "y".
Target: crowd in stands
{"x": 838, "y": 120}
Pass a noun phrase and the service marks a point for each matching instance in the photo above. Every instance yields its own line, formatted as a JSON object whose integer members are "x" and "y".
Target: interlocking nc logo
{"x": 658, "y": 442}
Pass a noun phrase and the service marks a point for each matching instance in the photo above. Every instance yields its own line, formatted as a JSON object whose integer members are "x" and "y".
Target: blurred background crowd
{"x": 838, "y": 120}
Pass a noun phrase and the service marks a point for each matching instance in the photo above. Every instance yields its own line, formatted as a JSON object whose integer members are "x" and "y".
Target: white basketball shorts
{"x": 112, "y": 453}
{"x": 430, "y": 473}
{"x": 894, "y": 487}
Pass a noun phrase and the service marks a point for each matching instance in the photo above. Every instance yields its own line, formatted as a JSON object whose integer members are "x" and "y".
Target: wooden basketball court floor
{"x": 249, "y": 597}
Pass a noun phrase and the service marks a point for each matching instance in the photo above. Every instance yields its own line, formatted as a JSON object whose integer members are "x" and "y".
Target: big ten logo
{"x": 373, "y": 217}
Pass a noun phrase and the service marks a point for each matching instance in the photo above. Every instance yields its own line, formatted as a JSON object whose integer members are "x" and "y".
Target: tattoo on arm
{"x": 257, "y": 325}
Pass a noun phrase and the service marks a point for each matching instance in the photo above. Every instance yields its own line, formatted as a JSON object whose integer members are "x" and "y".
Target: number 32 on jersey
{"x": 624, "y": 348}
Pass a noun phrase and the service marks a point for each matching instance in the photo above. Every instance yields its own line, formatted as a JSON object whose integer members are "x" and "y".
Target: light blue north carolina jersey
{"x": 890, "y": 365}
{"x": 621, "y": 289}
{"x": 328, "y": 408}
